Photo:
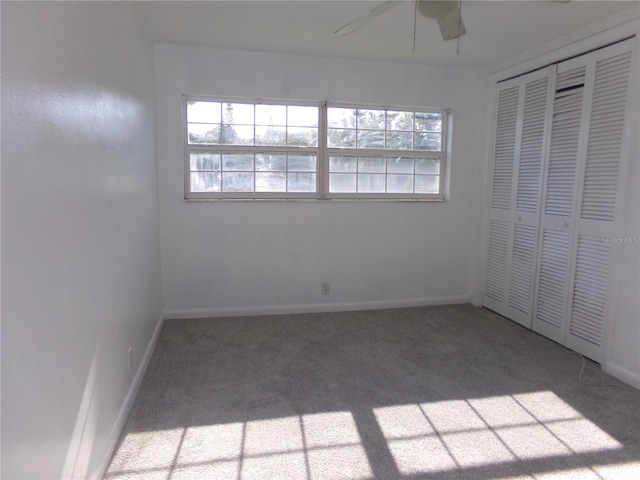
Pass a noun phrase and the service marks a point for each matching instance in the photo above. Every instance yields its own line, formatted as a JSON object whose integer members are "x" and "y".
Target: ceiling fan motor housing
{"x": 436, "y": 9}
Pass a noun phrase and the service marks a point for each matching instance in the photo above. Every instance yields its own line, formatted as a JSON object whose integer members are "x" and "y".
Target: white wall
{"x": 623, "y": 349}
{"x": 240, "y": 257}
{"x": 80, "y": 241}
{"x": 622, "y": 357}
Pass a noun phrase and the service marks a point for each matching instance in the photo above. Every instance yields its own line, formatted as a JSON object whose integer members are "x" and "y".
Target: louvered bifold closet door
{"x": 535, "y": 120}
{"x": 508, "y": 128}
{"x": 559, "y": 193}
{"x": 523, "y": 106}
{"x": 597, "y": 199}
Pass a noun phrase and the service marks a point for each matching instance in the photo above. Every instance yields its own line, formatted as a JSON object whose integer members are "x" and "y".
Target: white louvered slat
{"x": 552, "y": 286}
{"x": 531, "y": 149}
{"x": 590, "y": 289}
{"x": 565, "y": 137}
{"x": 505, "y": 147}
{"x": 605, "y": 138}
{"x": 497, "y": 260}
{"x": 522, "y": 266}
{"x": 570, "y": 78}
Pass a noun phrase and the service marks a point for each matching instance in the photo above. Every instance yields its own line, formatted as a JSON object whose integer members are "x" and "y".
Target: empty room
{"x": 363, "y": 240}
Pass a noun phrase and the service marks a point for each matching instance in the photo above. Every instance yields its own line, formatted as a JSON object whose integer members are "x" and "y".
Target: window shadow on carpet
{"x": 447, "y": 392}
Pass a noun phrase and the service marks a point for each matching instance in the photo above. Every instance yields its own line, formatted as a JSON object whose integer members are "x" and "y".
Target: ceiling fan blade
{"x": 355, "y": 24}
{"x": 451, "y": 25}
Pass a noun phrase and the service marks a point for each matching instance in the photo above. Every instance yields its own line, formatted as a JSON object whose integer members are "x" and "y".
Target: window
{"x": 376, "y": 153}
{"x": 259, "y": 149}
{"x": 251, "y": 150}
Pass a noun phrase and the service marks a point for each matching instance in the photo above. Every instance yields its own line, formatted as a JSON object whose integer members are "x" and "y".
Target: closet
{"x": 558, "y": 158}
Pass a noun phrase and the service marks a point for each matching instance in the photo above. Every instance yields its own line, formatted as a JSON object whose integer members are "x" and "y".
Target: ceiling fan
{"x": 447, "y": 12}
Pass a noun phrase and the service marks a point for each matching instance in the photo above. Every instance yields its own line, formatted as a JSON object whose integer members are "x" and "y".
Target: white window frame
{"x": 441, "y": 155}
{"x": 255, "y": 149}
{"x": 323, "y": 154}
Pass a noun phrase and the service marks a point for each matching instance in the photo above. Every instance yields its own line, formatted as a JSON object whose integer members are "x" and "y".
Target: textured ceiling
{"x": 496, "y": 30}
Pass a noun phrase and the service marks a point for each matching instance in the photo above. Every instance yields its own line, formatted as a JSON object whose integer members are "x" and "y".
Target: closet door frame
{"x": 630, "y": 153}
{"x": 627, "y": 208}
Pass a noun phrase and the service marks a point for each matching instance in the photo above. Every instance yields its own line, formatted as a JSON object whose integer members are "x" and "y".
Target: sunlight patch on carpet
{"x": 323, "y": 446}
{"x": 421, "y": 438}
{"x": 460, "y": 434}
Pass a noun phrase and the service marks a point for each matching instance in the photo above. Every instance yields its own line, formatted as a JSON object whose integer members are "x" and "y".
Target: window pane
{"x": 427, "y": 141}
{"x": 428, "y": 165}
{"x": 400, "y": 140}
{"x": 368, "y": 183}
{"x": 237, "y": 114}
{"x": 271, "y": 162}
{"x": 341, "y": 117}
{"x": 237, "y": 182}
{"x": 302, "y": 163}
{"x": 371, "y": 119}
{"x": 427, "y": 184}
{"x": 204, "y": 161}
{"x": 271, "y": 115}
{"x": 302, "y": 116}
{"x": 428, "y": 122}
{"x": 400, "y": 165}
{"x": 302, "y": 137}
{"x": 205, "y": 182}
{"x": 342, "y": 164}
{"x": 237, "y": 135}
{"x": 203, "y": 112}
{"x": 400, "y": 121}
{"x": 372, "y": 164}
{"x": 400, "y": 183}
{"x": 302, "y": 182}
{"x": 342, "y": 183}
{"x": 271, "y": 182}
{"x": 341, "y": 138}
{"x": 271, "y": 135}
{"x": 203, "y": 133}
{"x": 237, "y": 161}
{"x": 370, "y": 138}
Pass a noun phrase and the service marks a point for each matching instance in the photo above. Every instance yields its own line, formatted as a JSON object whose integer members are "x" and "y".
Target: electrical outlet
{"x": 325, "y": 288}
{"x": 130, "y": 358}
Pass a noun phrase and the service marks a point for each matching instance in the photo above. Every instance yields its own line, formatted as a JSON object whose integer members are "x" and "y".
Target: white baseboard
{"x": 621, "y": 373}
{"x": 118, "y": 425}
{"x": 170, "y": 314}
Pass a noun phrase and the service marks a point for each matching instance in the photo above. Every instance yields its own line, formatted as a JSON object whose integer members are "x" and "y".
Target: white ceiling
{"x": 496, "y": 30}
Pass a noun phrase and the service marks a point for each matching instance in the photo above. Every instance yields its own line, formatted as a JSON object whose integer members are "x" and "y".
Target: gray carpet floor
{"x": 447, "y": 392}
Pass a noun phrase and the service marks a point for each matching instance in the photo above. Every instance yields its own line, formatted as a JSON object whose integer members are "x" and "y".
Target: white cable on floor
{"x": 593, "y": 384}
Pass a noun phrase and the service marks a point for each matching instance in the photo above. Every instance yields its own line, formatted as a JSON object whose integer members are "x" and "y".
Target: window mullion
{"x": 386, "y": 175}
{"x": 373, "y": 152}
{"x": 357, "y": 165}
{"x": 323, "y": 155}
